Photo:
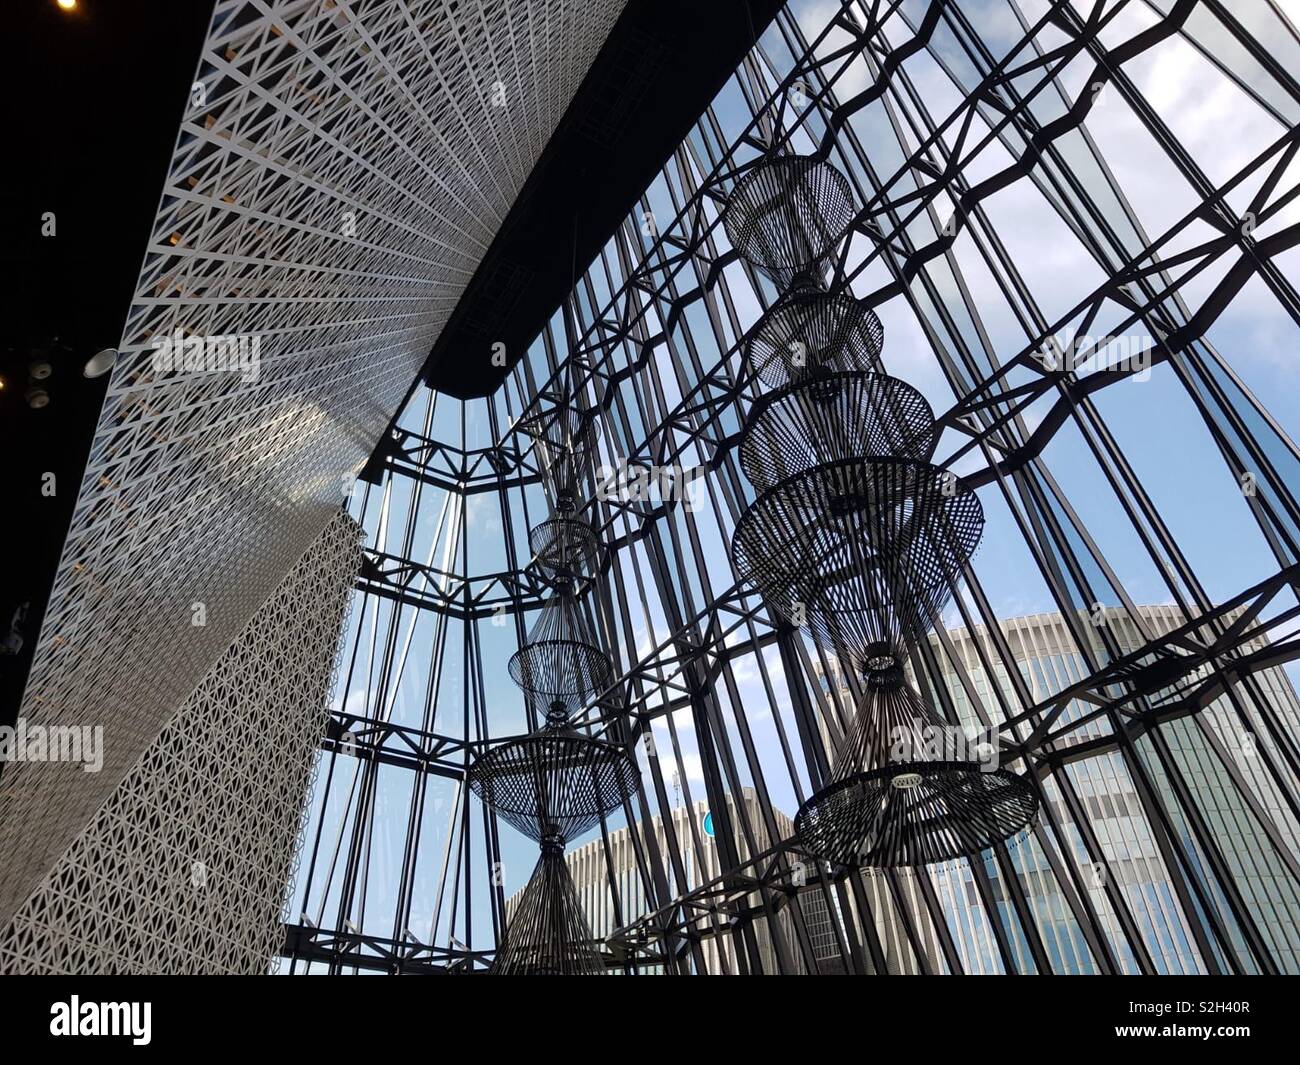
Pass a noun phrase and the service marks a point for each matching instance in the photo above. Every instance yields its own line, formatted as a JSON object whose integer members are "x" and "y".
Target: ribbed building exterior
{"x": 1050, "y": 662}
{"x": 698, "y": 855}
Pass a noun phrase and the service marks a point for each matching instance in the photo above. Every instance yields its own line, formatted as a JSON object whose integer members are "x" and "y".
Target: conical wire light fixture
{"x": 837, "y": 415}
{"x": 566, "y": 449}
{"x": 892, "y": 802}
{"x": 548, "y": 934}
{"x": 854, "y": 534}
{"x": 863, "y": 551}
{"x": 809, "y": 332}
{"x": 787, "y": 213}
{"x": 866, "y": 552}
{"x": 565, "y": 547}
{"x": 555, "y": 782}
{"x": 915, "y": 813}
{"x": 894, "y": 728}
{"x": 552, "y": 785}
{"x": 561, "y": 665}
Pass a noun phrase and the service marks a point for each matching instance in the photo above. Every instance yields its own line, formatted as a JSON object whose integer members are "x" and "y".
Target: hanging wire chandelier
{"x": 565, "y": 445}
{"x": 552, "y": 785}
{"x": 860, "y": 550}
{"x": 797, "y": 427}
{"x": 884, "y": 811}
{"x": 561, "y": 665}
{"x": 809, "y": 331}
{"x": 857, "y": 536}
{"x": 786, "y": 214}
{"x": 556, "y": 783}
{"x": 565, "y": 548}
{"x": 548, "y": 934}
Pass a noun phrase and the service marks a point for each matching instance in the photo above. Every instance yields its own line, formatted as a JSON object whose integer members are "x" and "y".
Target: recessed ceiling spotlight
{"x": 100, "y": 363}
{"x": 37, "y": 398}
{"x": 67, "y": 5}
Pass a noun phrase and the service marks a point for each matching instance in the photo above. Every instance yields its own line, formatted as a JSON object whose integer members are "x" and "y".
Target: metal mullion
{"x": 902, "y": 907}
{"x": 670, "y": 832}
{"x": 1152, "y": 807}
{"x": 701, "y": 710}
{"x": 714, "y": 712}
{"x": 1029, "y": 925}
{"x": 1218, "y": 867}
{"x": 1084, "y": 913}
{"x": 697, "y": 847}
{"x": 1247, "y": 795}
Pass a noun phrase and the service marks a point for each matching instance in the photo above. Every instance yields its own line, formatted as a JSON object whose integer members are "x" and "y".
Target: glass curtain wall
{"x": 1078, "y": 225}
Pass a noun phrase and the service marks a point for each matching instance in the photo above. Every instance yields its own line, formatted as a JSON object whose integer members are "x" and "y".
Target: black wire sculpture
{"x": 916, "y": 813}
{"x": 561, "y": 666}
{"x": 566, "y": 449}
{"x": 808, "y": 332}
{"x": 552, "y": 785}
{"x": 865, "y": 553}
{"x": 566, "y": 548}
{"x": 548, "y": 934}
{"x": 862, "y": 551}
{"x": 839, "y": 414}
{"x": 555, "y": 782}
{"x": 787, "y": 213}
{"x": 855, "y": 535}
{"x": 903, "y": 791}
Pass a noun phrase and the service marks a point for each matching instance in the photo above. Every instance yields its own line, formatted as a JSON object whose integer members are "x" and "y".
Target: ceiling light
{"x": 101, "y": 362}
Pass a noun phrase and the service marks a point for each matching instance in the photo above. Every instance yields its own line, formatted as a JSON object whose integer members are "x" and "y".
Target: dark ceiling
{"x": 662, "y": 65}
{"x": 94, "y": 98}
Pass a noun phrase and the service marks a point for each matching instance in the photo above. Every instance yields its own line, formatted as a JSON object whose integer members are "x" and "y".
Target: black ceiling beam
{"x": 661, "y": 66}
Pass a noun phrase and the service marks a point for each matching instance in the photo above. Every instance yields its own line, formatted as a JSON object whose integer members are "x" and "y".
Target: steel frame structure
{"x": 650, "y": 338}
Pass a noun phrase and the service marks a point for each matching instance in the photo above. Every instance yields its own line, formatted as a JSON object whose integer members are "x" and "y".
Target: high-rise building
{"x": 695, "y": 865}
{"x": 1251, "y": 825}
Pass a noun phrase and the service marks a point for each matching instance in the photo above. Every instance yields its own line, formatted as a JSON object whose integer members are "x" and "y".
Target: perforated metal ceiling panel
{"x": 183, "y": 868}
{"x": 339, "y": 173}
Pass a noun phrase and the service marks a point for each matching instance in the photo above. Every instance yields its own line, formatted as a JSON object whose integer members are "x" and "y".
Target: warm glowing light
{"x": 67, "y": 5}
